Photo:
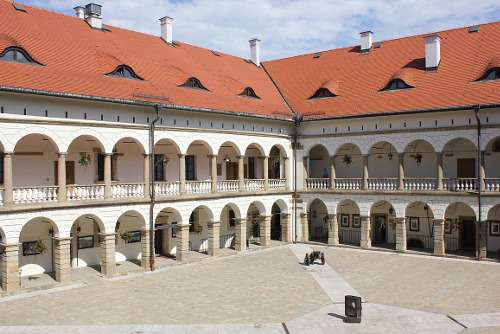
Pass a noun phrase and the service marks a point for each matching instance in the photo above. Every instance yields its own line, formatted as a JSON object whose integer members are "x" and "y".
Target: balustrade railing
{"x": 451, "y": 244}
{"x": 318, "y": 183}
{"x": 349, "y": 237}
{"x": 254, "y": 185}
{"x": 35, "y": 194}
{"x": 460, "y": 184}
{"x": 426, "y": 241}
{"x": 419, "y": 183}
{"x": 228, "y": 186}
{"x": 84, "y": 192}
{"x": 124, "y": 190}
{"x": 492, "y": 184}
{"x": 349, "y": 183}
{"x": 167, "y": 188}
{"x": 277, "y": 184}
{"x": 198, "y": 187}
{"x": 382, "y": 184}
{"x": 226, "y": 241}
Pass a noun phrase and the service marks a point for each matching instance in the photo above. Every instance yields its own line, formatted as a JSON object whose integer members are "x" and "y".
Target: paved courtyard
{"x": 269, "y": 291}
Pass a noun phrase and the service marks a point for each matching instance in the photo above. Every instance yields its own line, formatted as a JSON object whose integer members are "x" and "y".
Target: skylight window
{"x": 17, "y": 55}
{"x": 397, "y": 84}
{"x": 322, "y": 93}
{"x": 249, "y": 92}
{"x": 193, "y": 83}
{"x": 125, "y": 72}
{"x": 492, "y": 74}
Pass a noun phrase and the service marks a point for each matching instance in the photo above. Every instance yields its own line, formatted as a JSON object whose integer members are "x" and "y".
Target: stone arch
{"x": 440, "y": 146}
{"x": 85, "y": 241}
{"x": 353, "y": 206}
{"x": 233, "y": 207}
{"x": 368, "y": 145}
{"x": 260, "y": 207}
{"x": 280, "y": 147}
{"x": 11, "y": 142}
{"x": 170, "y": 136}
{"x": 407, "y": 140}
{"x": 81, "y": 132}
{"x": 206, "y": 141}
{"x": 139, "y": 141}
{"x": 256, "y": 145}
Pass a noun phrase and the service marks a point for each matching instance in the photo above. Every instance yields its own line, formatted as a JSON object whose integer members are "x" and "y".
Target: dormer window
{"x": 17, "y": 55}
{"x": 492, "y": 74}
{"x": 322, "y": 93}
{"x": 397, "y": 84}
{"x": 249, "y": 92}
{"x": 193, "y": 83}
{"x": 125, "y": 72}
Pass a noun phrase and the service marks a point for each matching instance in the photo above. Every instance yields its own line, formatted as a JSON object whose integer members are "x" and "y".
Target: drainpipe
{"x": 152, "y": 186}
{"x": 477, "y": 109}
{"x": 297, "y": 119}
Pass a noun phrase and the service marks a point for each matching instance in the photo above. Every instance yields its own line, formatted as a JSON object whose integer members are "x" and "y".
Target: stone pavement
{"x": 266, "y": 291}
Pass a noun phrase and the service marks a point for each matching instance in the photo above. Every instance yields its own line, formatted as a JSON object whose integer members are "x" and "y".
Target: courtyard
{"x": 270, "y": 291}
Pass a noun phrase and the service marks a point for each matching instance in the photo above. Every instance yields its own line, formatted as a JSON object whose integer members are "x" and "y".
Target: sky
{"x": 286, "y": 27}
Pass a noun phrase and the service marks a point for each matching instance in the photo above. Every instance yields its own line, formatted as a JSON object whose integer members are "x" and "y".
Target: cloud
{"x": 287, "y": 27}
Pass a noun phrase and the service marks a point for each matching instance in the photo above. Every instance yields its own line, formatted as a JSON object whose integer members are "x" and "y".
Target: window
{"x": 251, "y": 168}
{"x": 100, "y": 167}
{"x": 190, "y": 167}
{"x": 158, "y": 168}
{"x": 193, "y": 83}
{"x": 125, "y": 72}
{"x": 397, "y": 84}
{"x": 17, "y": 55}
{"x": 321, "y": 94}
{"x": 249, "y": 92}
{"x": 492, "y": 74}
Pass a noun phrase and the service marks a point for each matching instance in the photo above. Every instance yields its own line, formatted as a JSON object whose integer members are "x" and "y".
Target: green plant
{"x": 85, "y": 160}
{"x": 325, "y": 220}
{"x": 126, "y": 236}
{"x": 38, "y": 248}
{"x": 275, "y": 160}
{"x": 163, "y": 159}
{"x": 382, "y": 221}
{"x": 257, "y": 220}
{"x": 347, "y": 160}
{"x": 226, "y": 158}
{"x": 418, "y": 158}
{"x": 198, "y": 228}
{"x": 455, "y": 224}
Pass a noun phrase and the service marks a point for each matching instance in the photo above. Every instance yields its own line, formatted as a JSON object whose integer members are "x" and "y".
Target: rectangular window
{"x": 100, "y": 167}
{"x": 158, "y": 168}
{"x": 251, "y": 168}
{"x": 190, "y": 167}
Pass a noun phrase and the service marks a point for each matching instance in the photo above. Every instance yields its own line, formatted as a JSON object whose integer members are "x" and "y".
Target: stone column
{"x": 145, "y": 249}
{"x": 241, "y": 173}
{"x": 266, "y": 173}
{"x": 484, "y": 238}
{"x": 213, "y": 238}
{"x": 7, "y": 178}
{"x": 482, "y": 173}
{"x": 439, "y": 185}
{"x": 182, "y": 242}
{"x": 213, "y": 176}
{"x": 61, "y": 176}
{"x": 401, "y": 172}
{"x": 305, "y": 170}
{"x": 10, "y": 267}
{"x": 107, "y": 175}
{"x": 108, "y": 260}
{"x": 286, "y": 171}
{"x": 439, "y": 246}
{"x": 146, "y": 180}
{"x": 62, "y": 259}
{"x": 366, "y": 240}
{"x": 333, "y": 230}
{"x": 333, "y": 174}
{"x": 400, "y": 234}
{"x": 240, "y": 244}
{"x": 305, "y": 226}
{"x": 286, "y": 231}
{"x": 365, "y": 172}
{"x": 182, "y": 173}
{"x": 265, "y": 232}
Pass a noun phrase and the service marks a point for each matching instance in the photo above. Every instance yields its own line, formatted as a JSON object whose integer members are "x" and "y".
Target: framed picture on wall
{"x": 494, "y": 228}
{"x": 356, "y": 221}
{"x": 344, "y": 220}
{"x": 28, "y": 248}
{"x": 136, "y": 237}
{"x": 86, "y": 242}
{"x": 447, "y": 227}
{"x": 414, "y": 224}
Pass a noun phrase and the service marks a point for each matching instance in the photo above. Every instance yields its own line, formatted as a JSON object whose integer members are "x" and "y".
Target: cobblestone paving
{"x": 267, "y": 286}
{"x": 431, "y": 284}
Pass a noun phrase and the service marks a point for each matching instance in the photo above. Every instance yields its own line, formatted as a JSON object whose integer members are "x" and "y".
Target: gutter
{"x": 297, "y": 119}
{"x": 479, "y": 183}
{"x": 152, "y": 186}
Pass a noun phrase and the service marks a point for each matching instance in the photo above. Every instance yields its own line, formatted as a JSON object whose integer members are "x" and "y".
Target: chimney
{"x": 432, "y": 53}
{"x": 93, "y": 13}
{"x": 80, "y": 12}
{"x": 366, "y": 41}
{"x": 166, "y": 29}
{"x": 254, "y": 51}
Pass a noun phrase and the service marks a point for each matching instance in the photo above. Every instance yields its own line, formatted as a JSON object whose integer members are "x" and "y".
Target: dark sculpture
{"x": 315, "y": 255}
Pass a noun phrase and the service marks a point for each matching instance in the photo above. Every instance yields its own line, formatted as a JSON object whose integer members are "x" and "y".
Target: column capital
{"x": 107, "y": 154}
{"x": 212, "y": 224}
{"x": 63, "y": 239}
{"x": 364, "y": 217}
{"x": 14, "y": 245}
{"x": 332, "y": 216}
{"x": 61, "y": 154}
{"x": 107, "y": 234}
{"x": 304, "y": 215}
{"x": 305, "y": 157}
{"x": 180, "y": 155}
{"x": 212, "y": 155}
{"x": 265, "y": 157}
{"x": 438, "y": 221}
{"x": 146, "y": 155}
{"x": 7, "y": 153}
{"x": 240, "y": 156}
{"x": 285, "y": 158}
{"x": 399, "y": 220}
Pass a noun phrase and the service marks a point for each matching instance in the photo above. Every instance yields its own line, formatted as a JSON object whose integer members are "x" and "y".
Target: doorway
{"x": 380, "y": 231}
{"x": 158, "y": 240}
{"x": 468, "y": 234}
{"x": 231, "y": 171}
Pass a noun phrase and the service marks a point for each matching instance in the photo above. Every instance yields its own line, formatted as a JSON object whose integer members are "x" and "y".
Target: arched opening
{"x": 383, "y": 224}
{"x": 129, "y": 229}
{"x": 253, "y": 170}
{"x": 491, "y": 161}
{"x": 275, "y": 222}
{"x": 227, "y": 168}
{"x": 197, "y": 167}
{"x": 127, "y": 168}
{"x": 318, "y": 221}
{"x": 460, "y": 227}
{"x": 228, "y": 218}
{"x": 280, "y": 222}
{"x": 85, "y": 242}
{"x": 349, "y": 223}
{"x": 420, "y": 166}
{"x": 198, "y": 229}
{"x": 459, "y": 165}
{"x": 256, "y": 214}
{"x": 165, "y": 234}
{"x": 348, "y": 163}
{"x": 383, "y": 166}
{"x": 419, "y": 225}
{"x": 166, "y": 168}
{"x": 493, "y": 232}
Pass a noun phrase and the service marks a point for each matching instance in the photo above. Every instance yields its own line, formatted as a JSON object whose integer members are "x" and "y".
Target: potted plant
{"x": 325, "y": 220}
{"x": 382, "y": 221}
{"x": 347, "y": 160}
{"x": 226, "y": 158}
{"x": 85, "y": 160}
{"x": 455, "y": 224}
{"x": 198, "y": 228}
{"x": 163, "y": 159}
{"x": 38, "y": 248}
{"x": 126, "y": 236}
{"x": 275, "y": 160}
{"x": 418, "y": 158}
{"x": 257, "y": 220}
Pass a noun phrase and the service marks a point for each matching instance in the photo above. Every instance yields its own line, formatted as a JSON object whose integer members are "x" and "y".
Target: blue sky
{"x": 286, "y": 27}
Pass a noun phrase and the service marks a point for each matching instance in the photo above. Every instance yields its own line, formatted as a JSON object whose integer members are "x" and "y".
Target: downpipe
{"x": 479, "y": 184}
{"x": 297, "y": 120}
{"x": 152, "y": 186}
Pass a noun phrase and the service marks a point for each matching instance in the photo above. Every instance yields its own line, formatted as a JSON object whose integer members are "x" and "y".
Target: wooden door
{"x": 466, "y": 168}
{"x": 159, "y": 241}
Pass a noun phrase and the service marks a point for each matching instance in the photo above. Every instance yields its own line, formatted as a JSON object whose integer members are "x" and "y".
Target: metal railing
{"x": 451, "y": 244}
{"x": 1, "y": 195}
{"x": 320, "y": 233}
{"x": 349, "y": 237}
{"x": 226, "y": 241}
{"x": 35, "y": 194}
{"x": 84, "y": 192}
{"x": 426, "y": 240}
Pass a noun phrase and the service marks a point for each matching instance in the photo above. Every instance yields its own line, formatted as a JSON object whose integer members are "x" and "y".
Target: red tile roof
{"x": 358, "y": 79}
{"x": 76, "y": 57}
